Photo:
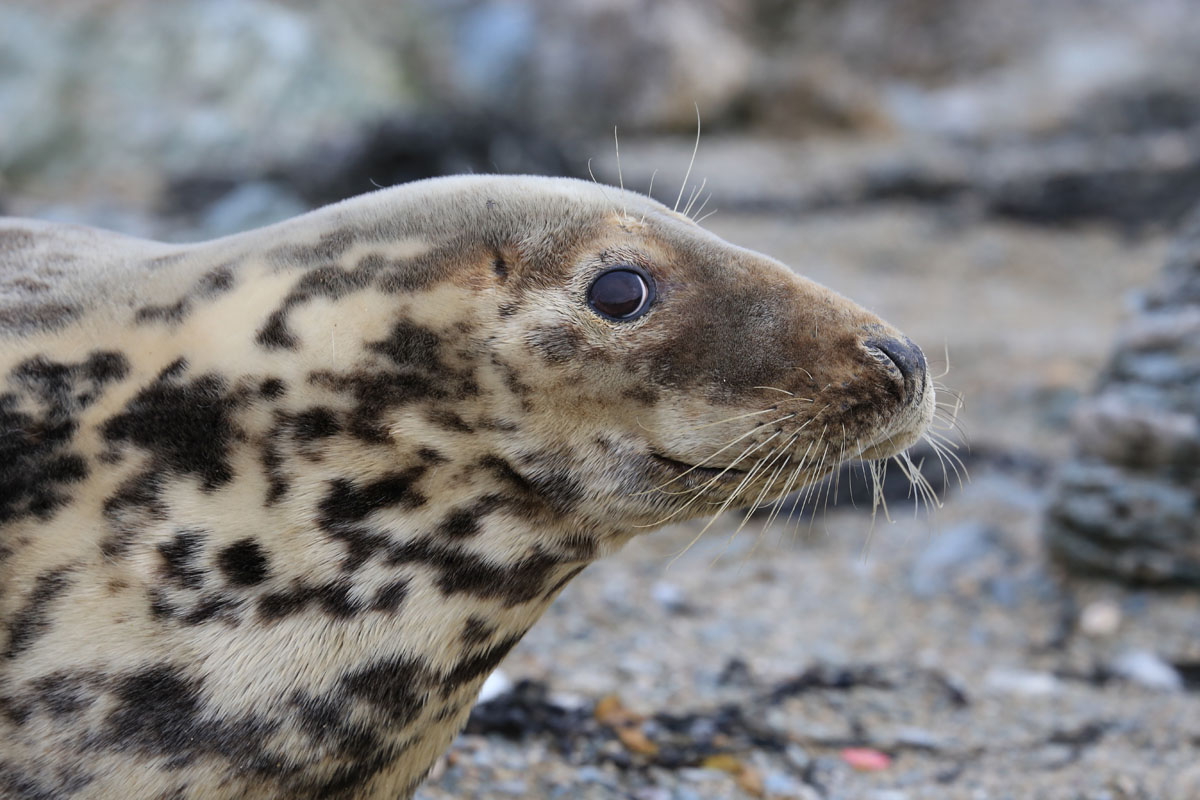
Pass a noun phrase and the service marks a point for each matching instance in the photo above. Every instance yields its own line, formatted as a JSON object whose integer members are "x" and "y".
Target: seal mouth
{"x": 682, "y": 467}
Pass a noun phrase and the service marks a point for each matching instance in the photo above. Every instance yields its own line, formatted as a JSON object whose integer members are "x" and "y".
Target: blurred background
{"x": 1014, "y": 183}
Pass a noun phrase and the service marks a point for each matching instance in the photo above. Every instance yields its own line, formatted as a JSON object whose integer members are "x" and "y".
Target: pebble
{"x": 496, "y": 684}
{"x": 1021, "y": 682}
{"x": 1148, "y": 670}
{"x": 669, "y": 596}
{"x": 866, "y": 759}
{"x": 1100, "y": 619}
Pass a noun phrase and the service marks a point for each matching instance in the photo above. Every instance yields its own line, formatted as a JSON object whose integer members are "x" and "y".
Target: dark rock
{"x": 1129, "y": 506}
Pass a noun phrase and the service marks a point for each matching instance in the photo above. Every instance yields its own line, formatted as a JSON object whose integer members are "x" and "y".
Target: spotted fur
{"x": 273, "y": 506}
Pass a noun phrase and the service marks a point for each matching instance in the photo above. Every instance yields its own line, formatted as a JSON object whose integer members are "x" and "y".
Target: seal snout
{"x": 907, "y": 358}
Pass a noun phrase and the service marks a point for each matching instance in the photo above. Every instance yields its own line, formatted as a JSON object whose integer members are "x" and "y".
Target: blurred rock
{"x": 1147, "y": 670}
{"x": 1129, "y": 506}
{"x": 374, "y": 155}
{"x": 249, "y": 205}
{"x": 585, "y": 65}
{"x": 951, "y": 554}
{"x": 121, "y": 92}
{"x": 1021, "y": 682}
{"x": 1100, "y": 619}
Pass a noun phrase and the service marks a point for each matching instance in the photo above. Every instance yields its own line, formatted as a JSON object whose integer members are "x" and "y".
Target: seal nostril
{"x": 907, "y": 357}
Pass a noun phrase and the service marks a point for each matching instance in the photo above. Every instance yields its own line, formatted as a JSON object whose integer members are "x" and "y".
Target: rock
{"x": 670, "y": 597}
{"x": 586, "y": 65}
{"x": 948, "y": 554}
{"x": 1021, "y": 682}
{"x": 249, "y": 205}
{"x": 495, "y": 685}
{"x": 1146, "y": 669}
{"x": 1100, "y": 619}
{"x": 1128, "y": 507}
{"x": 101, "y": 91}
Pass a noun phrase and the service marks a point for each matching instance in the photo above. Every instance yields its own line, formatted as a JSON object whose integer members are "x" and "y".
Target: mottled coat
{"x": 273, "y": 506}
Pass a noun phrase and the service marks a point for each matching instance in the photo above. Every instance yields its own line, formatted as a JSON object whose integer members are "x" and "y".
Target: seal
{"x": 273, "y": 506}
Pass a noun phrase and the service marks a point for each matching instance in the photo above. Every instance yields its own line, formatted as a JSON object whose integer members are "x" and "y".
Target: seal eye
{"x": 623, "y": 293}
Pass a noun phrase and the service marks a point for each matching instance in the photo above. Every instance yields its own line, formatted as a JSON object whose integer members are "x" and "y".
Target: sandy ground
{"x": 943, "y": 642}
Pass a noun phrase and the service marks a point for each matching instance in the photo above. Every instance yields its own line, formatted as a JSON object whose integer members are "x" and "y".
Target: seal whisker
{"x": 718, "y": 452}
{"x": 620, "y": 175}
{"x": 687, "y": 210}
{"x": 757, "y": 504}
{"x": 775, "y": 389}
{"x": 788, "y": 486}
{"x": 749, "y": 475}
{"x": 699, "y": 493}
{"x": 946, "y": 371}
{"x": 699, "y": 490}
{"x": 727, "y": 419}
{"x": 649, "y": 193}
{"x": 695, "y": 149}
{"x": 754, "y": 506}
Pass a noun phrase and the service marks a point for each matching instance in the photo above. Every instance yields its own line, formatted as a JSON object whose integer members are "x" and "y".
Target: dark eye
{"x": 622, "y": 293}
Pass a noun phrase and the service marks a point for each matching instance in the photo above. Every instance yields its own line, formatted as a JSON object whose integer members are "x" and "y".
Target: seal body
{"x": 273, "y": 506}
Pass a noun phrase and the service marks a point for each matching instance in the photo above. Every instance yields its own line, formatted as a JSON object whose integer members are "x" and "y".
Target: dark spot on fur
{"x": 63, "y": 694}
{"x": 641, "y": 394}
{"x": 394, "y": 687}
{"x": 179, "y": 555}
{"x": 333, "y": 598}
{"x": 467, "y": 573}
{"x": 37, "y": 316}
{"x": 323, "y": 719}
{"x": 170, "y": 314}
{"x": 34, "y": 618}
{"x": 156, "y": 710}
{"x": 316, "y": 423}
{"x": 410, "y": 346}
{"x": 328, "y": 280}
{"x": 500, "y": 267}
{"x": 39, "y": 418}
{"x": 272, "y": 388}
{"x": 557, "y": 344}
{"x": 215, "y": 282}
{"x": 346, "y": 505}
{"x": 431, "y": 456}
{"x": 210, "y": 285}
{"x": 409, "y": 368}
{"x": 465, "y": 522}
{"x": 477, "y": 666}
{"x": 243, "y": 563}
{"x": 507, "y": 310}
{"x": 158, "y": 262}
{"x": 14, "y": 710}
{"x": 159, "y": 711}
{"x": 186, "y": 426}
{"x": 272, "y": 461}
{"x": 477, "y": 631}
{"x": 445, "y": 418}
{"x": 330, "y": 247}
{"x": 274, "y": 334}
{"x": 135, "y": 504}
{"x": 390, "y": 596}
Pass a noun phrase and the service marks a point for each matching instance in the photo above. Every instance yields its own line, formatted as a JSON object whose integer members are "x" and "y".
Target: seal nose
{"x": 907, "y": 357}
